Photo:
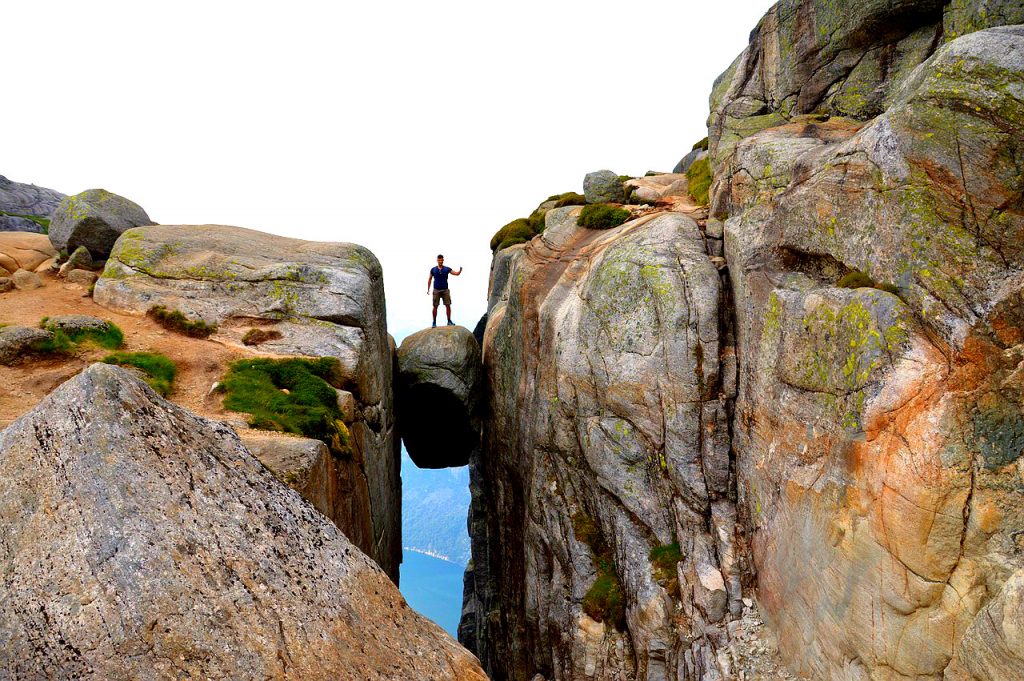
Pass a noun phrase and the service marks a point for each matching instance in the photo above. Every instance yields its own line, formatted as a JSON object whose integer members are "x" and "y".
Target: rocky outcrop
{"x": 603, "y": 186}
{"x": 26, "y": 207}
{"x": 867, "y": 174}
{"x": 25, "y": 251}
{"x": 94, "y": 219}
{"x": 437, "y": 396}
{"x": 605, "y": 541}
{"x": 325, "y": 299}
{"x": 141, "y": 541}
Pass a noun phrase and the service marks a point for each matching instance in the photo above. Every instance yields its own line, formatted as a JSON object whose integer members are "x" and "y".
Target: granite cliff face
{"x": 323, "y": 300}
{"x": 826, "y": 420}
{"x": 140, "y": 541}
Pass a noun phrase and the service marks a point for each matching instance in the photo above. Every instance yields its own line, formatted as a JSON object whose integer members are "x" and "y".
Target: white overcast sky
{"x": 412, "y": 128}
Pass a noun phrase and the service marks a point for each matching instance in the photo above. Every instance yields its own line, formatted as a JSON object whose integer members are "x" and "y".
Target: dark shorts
{"x": 442, "y": 295}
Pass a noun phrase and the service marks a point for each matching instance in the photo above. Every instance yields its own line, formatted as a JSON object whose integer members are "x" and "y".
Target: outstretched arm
{"x": 430, "y": 278}
{"x": 457, "y": 273}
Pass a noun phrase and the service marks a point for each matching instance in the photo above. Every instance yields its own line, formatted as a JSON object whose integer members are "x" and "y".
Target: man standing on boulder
{"x": 439, "y": 275}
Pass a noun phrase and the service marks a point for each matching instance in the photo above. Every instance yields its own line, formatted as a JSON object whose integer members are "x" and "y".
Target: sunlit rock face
{"x": 605, "y": 540}
{"x": 878, "y": 429}
{"x": 143, "y": 542}
{"x": 325, "y": 299}
{"x": 437, "y": 396}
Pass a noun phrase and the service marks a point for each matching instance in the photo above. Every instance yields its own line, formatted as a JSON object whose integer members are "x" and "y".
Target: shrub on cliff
{"x": 702, "y": 145}
{"x": 605, "y": 600}
{"x": 159, "y": 369}
{"x": 174, "y": 320}
{"x": 290, "y": 396}
{"x": 602, "y": 216}
{"x": 257, "y": 336}
{"x": 699, "y": 177}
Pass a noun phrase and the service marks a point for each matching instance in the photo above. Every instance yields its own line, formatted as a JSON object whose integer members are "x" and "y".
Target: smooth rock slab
{"x": 143, "y": 542}
{"x": 24, "y": 250}
{"x": 437, "y": 396}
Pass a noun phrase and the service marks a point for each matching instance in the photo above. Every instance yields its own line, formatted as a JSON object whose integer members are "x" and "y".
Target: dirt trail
{"x": 200, "y": 362}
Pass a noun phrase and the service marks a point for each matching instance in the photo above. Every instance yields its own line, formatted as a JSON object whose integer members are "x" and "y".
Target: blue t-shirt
{"x": 440, "y": 277}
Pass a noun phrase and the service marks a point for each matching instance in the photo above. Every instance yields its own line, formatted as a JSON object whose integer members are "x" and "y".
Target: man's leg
{"x": 448, "y": 311}
{"x": 435, "y": 314}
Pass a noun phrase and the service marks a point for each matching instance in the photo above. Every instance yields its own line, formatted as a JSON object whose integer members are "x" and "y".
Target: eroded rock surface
{"x": 18, "y": 199}
{"x": 438, "y": 394}
{"x": 879, "y": 430}
{"x": 141, "y": 541}
{"x": 94, "y": 219}
{"x": 609, "y": 377}
{"x": 325, "y": 299}
{"x": 26, "y": 251}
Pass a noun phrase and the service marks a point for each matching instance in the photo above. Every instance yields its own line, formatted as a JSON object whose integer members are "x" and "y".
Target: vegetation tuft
{"x": 702, "y": 145}
{"x": 64, "y": 342}
{"x": 568, "y": 199}
{"x": 257, "y": 336}
{"x": 174, "y": 320}
{"x": 605, "y": 600}
{"x": 521, "y": 230}
{"x": 699, "y": 177}
{"x": 664, "y": 560}
{"x": 602, "y": 216}
{"x": 290, "y": 396}
{"x": 41, "y": 221}
{"x": 159, "y": 369}
{"x": 858, "y": 279}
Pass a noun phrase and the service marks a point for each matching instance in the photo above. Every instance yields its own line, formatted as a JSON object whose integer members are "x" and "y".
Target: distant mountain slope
{"x": 434, "y": 507}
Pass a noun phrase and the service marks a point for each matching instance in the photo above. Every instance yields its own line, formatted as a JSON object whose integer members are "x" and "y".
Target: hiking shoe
{"x": 451, "y": 323}
{"x": 434, "y": 325}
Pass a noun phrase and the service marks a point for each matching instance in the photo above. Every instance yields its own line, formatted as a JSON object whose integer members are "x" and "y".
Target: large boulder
{"x": 94, "y": 219}
{"x": 24, "y": 251}
{"x": 437, "y": 394}
{"x": 603, "y": 186}
{"x": 876, "y": 268}
{"x": 143, "y": 542}
{"x": 26, "y": 207}
{"x": 603, "y": 523}
{"x": 325, "y": 299}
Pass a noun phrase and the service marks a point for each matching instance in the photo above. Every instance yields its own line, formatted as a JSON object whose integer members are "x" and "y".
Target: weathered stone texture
{"x": 878, "y": 431}
{"x": 608, "y": 395}
{"x": 17, "y": 199}
{"x": 94, "y": 219}
{"x": 142, "y": 542}
{"x": 326, "y": 299}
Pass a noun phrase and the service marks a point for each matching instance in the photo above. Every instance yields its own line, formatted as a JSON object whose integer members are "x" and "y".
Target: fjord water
{"x": 435, "y": 541}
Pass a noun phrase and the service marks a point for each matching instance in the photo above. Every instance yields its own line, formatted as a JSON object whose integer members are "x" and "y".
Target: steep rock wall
{"x": 878, "y": 429}
{"x": 605, "y": 540}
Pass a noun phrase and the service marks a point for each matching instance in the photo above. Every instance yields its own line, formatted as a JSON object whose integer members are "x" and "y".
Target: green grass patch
{"x": 41, "y": 221}
{"x": 664, "y": 560}
{"x": 64, "y": 342}
{"x": 257, "y": 336}
{"x": 159, "y": 369}
{"x": 568, "y": 199}
{"x": 605, "y": 600}
{"x": 516, "y": 232}
{"x": 702, "y": 145}
{"x": 602, "y": 216}
{"x": 174, "y": 320}
{"x": 858, "y": 279}
{"x": 290, "y": 396}
{"x": 699, "y": 177}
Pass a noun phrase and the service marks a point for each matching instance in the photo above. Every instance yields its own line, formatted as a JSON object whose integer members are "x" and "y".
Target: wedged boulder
{"x": 325, "y": 299}
{"x": 25, "y": 251}
{"x": 24, "y": 206}
{"x": 438, "y": 395}
{"x": 878, "y": 429}
{"x": 141, "y": 541}
{"x": 94, "y": 219}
